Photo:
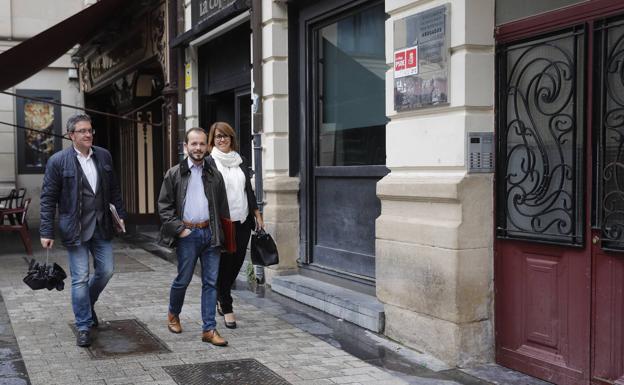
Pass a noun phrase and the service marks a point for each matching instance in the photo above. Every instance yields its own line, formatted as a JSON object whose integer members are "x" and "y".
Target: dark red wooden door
{"x": 559, "y": 253}
{"x": 543, "y": 311}
{"x": 608, "y": 310}
{"x": 543, "y": 280}
{"x": 607, "y": 358}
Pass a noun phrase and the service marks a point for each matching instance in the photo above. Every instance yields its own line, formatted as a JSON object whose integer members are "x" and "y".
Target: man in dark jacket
{"x": 192, "y": 200}
{"x": 80, "y": 183}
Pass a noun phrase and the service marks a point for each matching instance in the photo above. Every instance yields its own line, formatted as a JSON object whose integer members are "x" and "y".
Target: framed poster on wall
{"x": 421, "y": 60}
{"x": 34, "y": 144}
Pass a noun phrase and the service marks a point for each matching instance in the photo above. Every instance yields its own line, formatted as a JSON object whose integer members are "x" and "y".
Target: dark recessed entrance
{"x": 123, "y": 338}
{"x": 236, "y": 372}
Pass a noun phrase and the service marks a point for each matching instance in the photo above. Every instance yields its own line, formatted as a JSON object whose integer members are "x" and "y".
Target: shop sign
{"x": 202, "y": 10}
{"x": 421, "y": 60}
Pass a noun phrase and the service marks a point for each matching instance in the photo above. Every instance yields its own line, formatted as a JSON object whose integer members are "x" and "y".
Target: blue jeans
{"x": 86, "y": 290}
{"x": 197, "y": 245}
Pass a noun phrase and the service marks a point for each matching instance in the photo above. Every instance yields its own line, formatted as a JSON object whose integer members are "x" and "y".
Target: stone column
{"x": 281, "y": 212}
{"x": 434, "y": 234}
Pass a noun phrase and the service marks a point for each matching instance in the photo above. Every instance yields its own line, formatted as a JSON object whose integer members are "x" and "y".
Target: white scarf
{"x": 234, "y": 178}
{"x": 230, "y": 159}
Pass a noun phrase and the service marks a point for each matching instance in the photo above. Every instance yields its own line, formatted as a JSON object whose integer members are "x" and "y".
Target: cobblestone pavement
{"x": 12, "y": 370}
{"x": 284, "y": 341}
{"x": 41, "y": 322}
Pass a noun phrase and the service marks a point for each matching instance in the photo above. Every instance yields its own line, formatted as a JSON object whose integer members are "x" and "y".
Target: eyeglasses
{"x": 222, "y": 137}
{"x": 84, "y": 131}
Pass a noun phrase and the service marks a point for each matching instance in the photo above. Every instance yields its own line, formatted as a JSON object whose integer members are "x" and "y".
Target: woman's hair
{"x": 227, "y": 130}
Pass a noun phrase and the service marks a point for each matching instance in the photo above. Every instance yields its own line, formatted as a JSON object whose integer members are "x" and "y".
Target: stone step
{"x": 358, "y": 308}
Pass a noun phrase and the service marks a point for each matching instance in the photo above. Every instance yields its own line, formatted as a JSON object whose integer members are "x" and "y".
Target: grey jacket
{"x": 173, "y": 194}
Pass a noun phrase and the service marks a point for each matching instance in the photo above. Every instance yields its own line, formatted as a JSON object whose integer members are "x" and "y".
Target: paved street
{"x": 297, "y": 343}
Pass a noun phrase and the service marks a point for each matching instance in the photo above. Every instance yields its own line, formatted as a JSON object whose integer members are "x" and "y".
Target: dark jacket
{"x": 62, "y": 189}
{"x": 252, "y": 203}
{"x": 173, "y": 194}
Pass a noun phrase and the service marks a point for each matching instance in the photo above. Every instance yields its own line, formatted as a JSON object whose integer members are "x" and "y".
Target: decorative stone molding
{"x": 127, "y": 42}
{"x": 159, "y": 36}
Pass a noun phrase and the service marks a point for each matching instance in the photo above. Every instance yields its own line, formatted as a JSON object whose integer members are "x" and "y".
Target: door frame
{"x": 240, "y": 93}
{"x": 581, "y": 14}
{"x": 309, "y": 18}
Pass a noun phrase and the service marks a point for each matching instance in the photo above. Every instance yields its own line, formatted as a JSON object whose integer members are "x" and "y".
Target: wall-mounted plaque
{"x": 421, "y": 60}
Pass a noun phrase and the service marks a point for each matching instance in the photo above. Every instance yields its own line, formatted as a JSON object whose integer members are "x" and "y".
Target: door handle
{"x": 595, "y": 239}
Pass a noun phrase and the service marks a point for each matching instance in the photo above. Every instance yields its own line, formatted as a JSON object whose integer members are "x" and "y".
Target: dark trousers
{"x": 230, "y": 264}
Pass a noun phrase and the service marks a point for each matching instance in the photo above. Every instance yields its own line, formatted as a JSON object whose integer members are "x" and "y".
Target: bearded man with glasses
{"x": 79, "y": 181}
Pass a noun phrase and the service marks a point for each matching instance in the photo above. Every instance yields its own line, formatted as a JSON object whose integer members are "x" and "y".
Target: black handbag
{"x": 263, "y": 249}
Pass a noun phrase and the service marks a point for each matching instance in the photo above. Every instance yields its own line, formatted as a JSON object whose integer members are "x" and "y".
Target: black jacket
{"x": 62, "y": 189}
{"x": 173, "y": 193}
{"x": 252, "y": 203}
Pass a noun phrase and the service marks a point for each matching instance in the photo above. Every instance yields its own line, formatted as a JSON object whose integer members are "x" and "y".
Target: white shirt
{"x": 88, "y": 167}
{"x": 234, "y": 179}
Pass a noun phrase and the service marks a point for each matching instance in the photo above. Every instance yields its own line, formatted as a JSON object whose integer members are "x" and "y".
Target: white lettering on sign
{"x": 210, "y": 6}
{"x": 215, "y": 4}
{"x": 203, "y": 8}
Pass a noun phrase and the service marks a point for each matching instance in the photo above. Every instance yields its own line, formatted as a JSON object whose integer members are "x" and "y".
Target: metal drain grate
{"x": 123, "y": 338}
{"x": 235, "y": 372}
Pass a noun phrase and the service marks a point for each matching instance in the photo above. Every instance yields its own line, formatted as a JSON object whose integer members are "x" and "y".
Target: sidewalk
{"x": 299, "y": 345}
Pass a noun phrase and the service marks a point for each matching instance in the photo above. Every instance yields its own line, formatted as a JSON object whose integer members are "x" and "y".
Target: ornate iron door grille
{"x": 610, "y": 121}
{"x": 540, "y": 139}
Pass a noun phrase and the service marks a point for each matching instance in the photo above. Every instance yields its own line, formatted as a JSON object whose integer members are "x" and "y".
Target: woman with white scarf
{"x": 243, "y": 210}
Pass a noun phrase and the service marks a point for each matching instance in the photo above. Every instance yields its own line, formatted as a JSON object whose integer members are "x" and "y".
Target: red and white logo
{"x": 406, "y": 62}
{"x": 411, "y": 58}
{"x": 399, "y": 60}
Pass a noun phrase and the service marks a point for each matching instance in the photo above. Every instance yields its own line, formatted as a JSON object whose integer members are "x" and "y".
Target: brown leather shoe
{"x": 174, "y": 323}
{"x": 214, "y": 338}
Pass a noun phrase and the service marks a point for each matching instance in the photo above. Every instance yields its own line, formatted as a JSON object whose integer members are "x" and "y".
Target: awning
{"x": 32, "y": 55}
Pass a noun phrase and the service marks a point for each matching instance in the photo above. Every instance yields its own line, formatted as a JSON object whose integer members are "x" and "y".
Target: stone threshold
{"x": 361, "y": 309}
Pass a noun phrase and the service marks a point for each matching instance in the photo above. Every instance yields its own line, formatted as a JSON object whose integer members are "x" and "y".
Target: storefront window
{"x": 351, "y": 64}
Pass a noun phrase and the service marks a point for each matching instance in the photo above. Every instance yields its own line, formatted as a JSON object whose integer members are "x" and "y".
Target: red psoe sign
{"x": 399, "y": 61}
{"x": 406, "y": 62}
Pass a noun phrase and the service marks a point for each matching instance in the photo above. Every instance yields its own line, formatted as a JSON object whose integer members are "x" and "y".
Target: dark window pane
{"x": 352, "y": 94}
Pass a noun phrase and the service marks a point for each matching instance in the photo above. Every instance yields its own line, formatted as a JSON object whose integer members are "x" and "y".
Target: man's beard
{"x": 197, "y": 157}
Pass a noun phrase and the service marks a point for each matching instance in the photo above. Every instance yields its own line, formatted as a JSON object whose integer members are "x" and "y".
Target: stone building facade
{"x": 430, "y": 255}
